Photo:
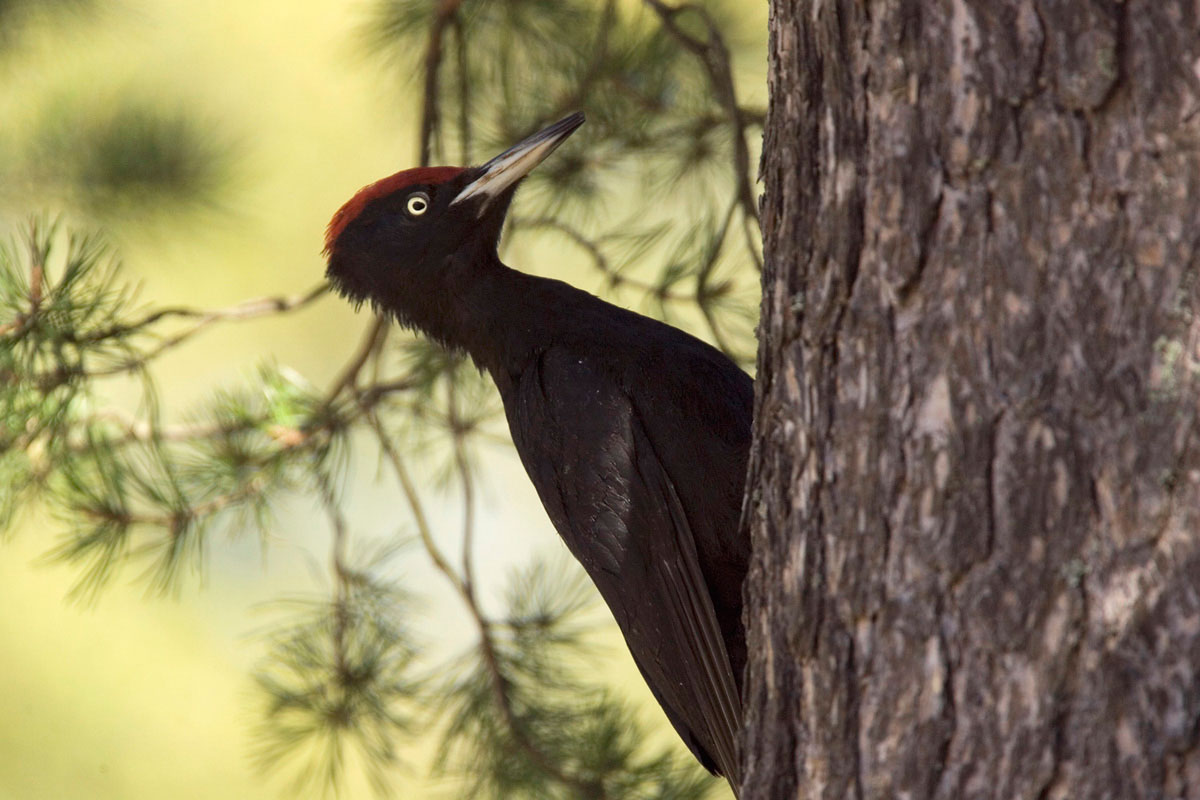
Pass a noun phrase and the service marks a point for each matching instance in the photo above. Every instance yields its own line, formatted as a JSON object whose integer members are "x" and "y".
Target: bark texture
{"x": 975, "y": 489}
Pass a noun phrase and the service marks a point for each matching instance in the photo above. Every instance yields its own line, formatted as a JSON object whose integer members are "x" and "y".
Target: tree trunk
{"x": 975, "y": 487}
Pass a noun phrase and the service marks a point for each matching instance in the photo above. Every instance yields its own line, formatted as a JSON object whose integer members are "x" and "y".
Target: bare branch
{"x": 141, "y": 430}
{"x": 176, "y": 520}
{"x": 409, "y": 489}
{"x": 250, "y": 309}
{"x": 341, "y": 572}
{"x": 447, "y": 11}
{"x": 370, "y": 345}
{"x": 464, "y": 474}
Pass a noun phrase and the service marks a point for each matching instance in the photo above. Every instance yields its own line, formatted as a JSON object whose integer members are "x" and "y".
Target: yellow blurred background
{"x": 142, "y": 697}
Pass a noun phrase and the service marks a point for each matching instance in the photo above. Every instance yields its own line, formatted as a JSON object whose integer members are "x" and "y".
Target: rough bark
{"x": 975, "y": 488}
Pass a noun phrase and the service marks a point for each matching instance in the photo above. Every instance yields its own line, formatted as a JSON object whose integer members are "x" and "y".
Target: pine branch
{"x": 369, "y": 347}
{"x": 376, "y": 335}
{"x": 249, "y": 309}
{"x": 463, "y": 585}
{"x": 616, "y": 279}
{"x": 443, "y": 18}
{"x": 713, "y": 53}
{"x": 408, "y": 488}
{"x": 458, "y": 433}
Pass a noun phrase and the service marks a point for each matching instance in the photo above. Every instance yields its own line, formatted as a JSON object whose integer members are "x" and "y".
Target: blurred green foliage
{"x": 113, "y": 155}
{"x": 17, "y": 16}
{"x": 130, "y": 157}
{"x": 341, "y": 671}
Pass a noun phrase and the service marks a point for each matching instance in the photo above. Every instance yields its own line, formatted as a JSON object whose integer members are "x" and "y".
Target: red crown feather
{"x": 385, "y": 186}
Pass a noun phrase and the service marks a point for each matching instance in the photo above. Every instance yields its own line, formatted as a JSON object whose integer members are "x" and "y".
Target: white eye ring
{"x": 418, "y": 204}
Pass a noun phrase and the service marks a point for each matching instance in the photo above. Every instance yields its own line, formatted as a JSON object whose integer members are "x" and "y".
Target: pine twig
{"x": 598, "y": 259}
{"x": 487, "y": 646}
{"x": 369, "y": 346}
{"x": 375, "y": 336}
{"x": 250, "y": 309}
{"x": 714, "y": 55}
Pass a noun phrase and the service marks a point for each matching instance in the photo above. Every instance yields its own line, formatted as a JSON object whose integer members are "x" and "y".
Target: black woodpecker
{"x": 634, "y": 433}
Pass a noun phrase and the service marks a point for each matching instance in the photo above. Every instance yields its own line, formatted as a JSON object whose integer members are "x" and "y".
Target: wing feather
{"x": 694, "y": 609}
{"x": 614, "y": 503}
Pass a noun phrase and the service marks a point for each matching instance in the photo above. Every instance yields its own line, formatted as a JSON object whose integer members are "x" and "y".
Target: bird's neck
{"x": 499, "y": 316}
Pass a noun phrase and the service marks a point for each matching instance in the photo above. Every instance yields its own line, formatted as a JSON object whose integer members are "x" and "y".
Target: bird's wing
{"x": 587, "y": 450}
{"x": 691, "y": 608}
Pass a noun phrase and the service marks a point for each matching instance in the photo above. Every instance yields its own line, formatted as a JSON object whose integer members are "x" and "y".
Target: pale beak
{"x": 516, "y": 162}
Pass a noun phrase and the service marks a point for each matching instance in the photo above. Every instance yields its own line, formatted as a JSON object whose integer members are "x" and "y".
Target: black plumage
{"x": 634, "y": 433}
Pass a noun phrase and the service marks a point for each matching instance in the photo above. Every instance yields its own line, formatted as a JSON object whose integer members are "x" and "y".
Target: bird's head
{"x": 430, "y": 226}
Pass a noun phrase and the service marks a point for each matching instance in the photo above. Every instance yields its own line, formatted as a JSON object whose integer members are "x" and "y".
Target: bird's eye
{"x": 418, "y": 204}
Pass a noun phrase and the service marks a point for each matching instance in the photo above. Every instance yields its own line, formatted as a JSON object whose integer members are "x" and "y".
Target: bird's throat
{"x": 498, "y": 316}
